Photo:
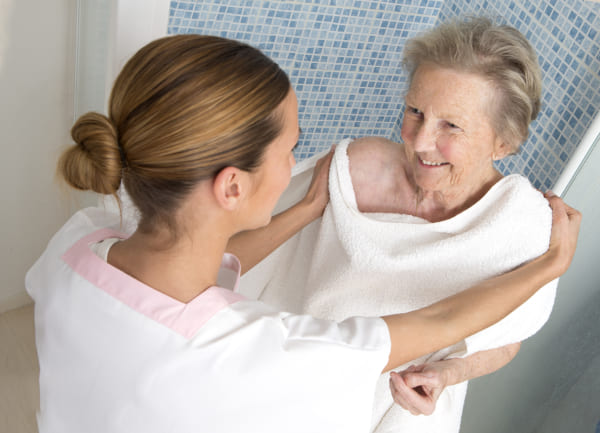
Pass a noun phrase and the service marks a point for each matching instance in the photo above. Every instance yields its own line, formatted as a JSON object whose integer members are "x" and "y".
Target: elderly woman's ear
{"x": 501, "y": 149}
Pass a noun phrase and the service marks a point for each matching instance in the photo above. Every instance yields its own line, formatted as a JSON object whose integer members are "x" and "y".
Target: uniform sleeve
{"x": 330, "y": 369}
{"x": 358, "y": 333}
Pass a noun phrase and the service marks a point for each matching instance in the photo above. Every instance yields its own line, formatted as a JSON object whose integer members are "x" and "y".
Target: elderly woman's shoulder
{"x": 375, "y": 146}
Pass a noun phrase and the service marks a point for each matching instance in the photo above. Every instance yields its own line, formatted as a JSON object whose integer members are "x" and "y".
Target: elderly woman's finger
{"x": 409, "y": 398}
{"x": 401, "y": 393}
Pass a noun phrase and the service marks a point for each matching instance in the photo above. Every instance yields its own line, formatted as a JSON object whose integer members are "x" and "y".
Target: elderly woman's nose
{"x": 424, "y": 139}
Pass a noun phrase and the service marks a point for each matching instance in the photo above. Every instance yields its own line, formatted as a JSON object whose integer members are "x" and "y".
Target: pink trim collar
{"x": 185, "y": 319}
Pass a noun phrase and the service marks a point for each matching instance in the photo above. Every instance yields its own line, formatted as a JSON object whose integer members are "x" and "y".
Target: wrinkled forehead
{"x": 451, "y": 94}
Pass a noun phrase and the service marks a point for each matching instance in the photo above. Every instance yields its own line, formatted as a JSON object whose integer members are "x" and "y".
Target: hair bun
{"x": 94, "y": 162}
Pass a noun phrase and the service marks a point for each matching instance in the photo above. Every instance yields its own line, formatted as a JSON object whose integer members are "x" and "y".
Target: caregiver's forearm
{"x": 452, "y": 319}
{"x": 251, "y": 246}
{"x": 479, "y": 364}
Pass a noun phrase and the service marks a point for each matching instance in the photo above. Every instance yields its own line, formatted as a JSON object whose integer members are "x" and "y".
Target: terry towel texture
{"x": 353, "y": 264}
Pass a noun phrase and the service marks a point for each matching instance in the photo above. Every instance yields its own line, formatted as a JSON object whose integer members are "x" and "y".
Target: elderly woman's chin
{"x": 433, "y": 177}
{"x": 432, "y": 182}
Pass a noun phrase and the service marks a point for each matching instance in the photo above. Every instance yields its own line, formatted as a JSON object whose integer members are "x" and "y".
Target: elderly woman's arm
{"x": 251, "y": 246}
{"x": 418, "y": 388}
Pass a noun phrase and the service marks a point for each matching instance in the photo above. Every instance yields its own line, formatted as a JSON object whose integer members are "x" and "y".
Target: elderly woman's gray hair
{"x": 498, "y": 53}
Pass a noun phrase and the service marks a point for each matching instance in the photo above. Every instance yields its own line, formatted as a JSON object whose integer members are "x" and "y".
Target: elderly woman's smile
{"x": 431, "y": 163}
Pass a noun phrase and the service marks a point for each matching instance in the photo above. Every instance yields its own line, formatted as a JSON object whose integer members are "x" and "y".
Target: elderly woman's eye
{"x": 452, "y": 125}
{"x": 414, "y": 110}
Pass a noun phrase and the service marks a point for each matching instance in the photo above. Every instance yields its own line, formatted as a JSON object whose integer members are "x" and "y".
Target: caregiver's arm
{"x": 446, "y": 322}
{"x": 418, "y": 387}
{"x": 251, "y": 246}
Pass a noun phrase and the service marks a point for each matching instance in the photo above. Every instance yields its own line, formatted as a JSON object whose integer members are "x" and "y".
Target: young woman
{"x": 146, "y": 333}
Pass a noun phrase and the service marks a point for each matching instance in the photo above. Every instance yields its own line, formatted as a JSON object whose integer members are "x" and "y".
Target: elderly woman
{"x": 429, "y": 215}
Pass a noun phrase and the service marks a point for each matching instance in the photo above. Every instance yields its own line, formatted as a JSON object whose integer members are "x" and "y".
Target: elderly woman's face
{"x": 449, "y": 140}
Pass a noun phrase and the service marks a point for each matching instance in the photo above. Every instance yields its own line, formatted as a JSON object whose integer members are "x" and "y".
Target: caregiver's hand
{"x": 252, "y": 246}
{"x": 565, "y": 229}
{"x": 317, "y": 196}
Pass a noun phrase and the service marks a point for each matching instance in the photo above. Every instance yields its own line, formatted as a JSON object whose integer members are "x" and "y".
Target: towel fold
{"x": 349, "y": 263}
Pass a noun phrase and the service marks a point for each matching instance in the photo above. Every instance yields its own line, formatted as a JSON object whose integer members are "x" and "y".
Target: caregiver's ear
{"x": 229, "y": 187}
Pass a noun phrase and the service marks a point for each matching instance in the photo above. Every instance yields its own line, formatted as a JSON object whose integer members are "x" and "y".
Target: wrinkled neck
{"x": 435, "y": 206}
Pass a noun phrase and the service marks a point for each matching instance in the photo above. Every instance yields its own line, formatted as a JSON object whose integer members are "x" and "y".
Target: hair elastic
{"x": 123, "y": 158}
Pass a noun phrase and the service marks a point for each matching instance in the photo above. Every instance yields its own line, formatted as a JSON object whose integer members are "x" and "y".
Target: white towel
{"x": 352, "y": 264}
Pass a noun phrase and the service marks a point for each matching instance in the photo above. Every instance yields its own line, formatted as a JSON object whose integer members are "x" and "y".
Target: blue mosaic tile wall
{"x": 342, "y": 56}
{"x": 344, "y": 60}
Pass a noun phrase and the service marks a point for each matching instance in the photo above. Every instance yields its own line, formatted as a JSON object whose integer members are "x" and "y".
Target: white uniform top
{"x": 118, "y": 356}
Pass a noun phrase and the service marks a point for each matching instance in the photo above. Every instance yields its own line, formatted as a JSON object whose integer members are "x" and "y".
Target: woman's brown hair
{"x": 183, "y": 108}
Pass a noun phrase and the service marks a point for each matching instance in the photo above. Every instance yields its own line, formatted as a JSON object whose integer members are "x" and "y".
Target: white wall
{"x": 37, "y": 81}
{"x": 133, "y": 24}
{"x": 578, "y": 411}
{"x": 36, "y": 89}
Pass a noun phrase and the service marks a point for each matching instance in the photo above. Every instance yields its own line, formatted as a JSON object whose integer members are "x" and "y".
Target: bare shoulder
{"x": 375, "y": 146}
{"x": 377, "y": 154}
{"x": 378, "y": 175}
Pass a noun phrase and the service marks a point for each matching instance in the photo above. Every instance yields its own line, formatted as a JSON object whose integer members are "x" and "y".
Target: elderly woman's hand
{"x": 317, "y": 196}
{"x": 418, "y": 388}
